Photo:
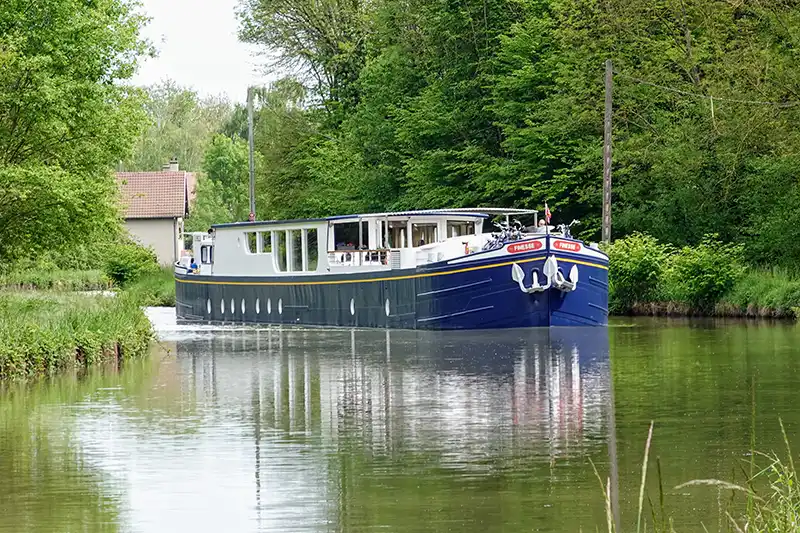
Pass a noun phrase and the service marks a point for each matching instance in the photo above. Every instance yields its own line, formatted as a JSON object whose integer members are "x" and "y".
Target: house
{"x": 155, "y": 205}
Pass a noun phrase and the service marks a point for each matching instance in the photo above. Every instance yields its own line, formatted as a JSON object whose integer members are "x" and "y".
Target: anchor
{"x": 555, "y": 278}
{"x": 519, "y": 276}
{"x": 566, "y": 285}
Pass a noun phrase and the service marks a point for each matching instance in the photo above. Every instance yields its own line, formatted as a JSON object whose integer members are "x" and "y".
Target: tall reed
{"x": 771, "y": 492}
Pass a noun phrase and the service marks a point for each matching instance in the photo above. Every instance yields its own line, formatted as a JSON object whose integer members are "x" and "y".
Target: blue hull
{"x": 479, "y": 294}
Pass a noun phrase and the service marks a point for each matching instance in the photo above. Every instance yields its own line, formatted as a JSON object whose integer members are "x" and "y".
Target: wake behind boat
{"x": 432, "y": 269}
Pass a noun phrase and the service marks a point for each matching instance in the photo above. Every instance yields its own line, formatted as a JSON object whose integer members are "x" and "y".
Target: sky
{"x": 198, "y": 48}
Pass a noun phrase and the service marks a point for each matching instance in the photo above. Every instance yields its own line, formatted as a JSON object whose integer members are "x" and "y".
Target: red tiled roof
{"x": 154, "y": 194}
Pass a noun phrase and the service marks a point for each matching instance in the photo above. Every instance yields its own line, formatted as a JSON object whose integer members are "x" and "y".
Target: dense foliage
{"x": 646, "y": 276}
{"x": 66, "y": 117}
{"x": 431, "y": 104}
{"x": 180, "y": 124}
{"x": 128, "y": 261}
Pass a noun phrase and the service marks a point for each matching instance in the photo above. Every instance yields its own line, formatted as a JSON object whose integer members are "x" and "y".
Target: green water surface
{"x": 365, "y": 430}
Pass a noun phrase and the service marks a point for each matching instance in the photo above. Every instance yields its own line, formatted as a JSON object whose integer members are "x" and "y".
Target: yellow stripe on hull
{"x": 373, "y": 280}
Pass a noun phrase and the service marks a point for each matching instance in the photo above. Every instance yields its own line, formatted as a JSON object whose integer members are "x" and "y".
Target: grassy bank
{"x": 59, "y": 280}
{"x": 156, "y": 289}
{"x": 709, "y": 279}
{"x": 42, "y": 333}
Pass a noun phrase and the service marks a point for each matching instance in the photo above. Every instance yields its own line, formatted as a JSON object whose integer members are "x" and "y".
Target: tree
{"x": 325, "y": 40}
{"x": 66, "y": 116}
{"x": 181, "y": 124}
{"x": 45, "y": 209}
{"x": 61, "y": 67}
{"x": 210, "y": 206}
{"x": 223, "y": 188}
{"x": 498, "y": 102}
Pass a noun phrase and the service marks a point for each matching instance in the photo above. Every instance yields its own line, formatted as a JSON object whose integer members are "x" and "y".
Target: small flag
{"x": 547, "y": 213}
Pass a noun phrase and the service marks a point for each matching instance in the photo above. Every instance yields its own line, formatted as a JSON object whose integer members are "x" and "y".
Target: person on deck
{"x": 193, "y": 266}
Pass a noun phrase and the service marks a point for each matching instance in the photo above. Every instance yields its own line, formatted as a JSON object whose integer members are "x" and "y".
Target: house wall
{"x": 160, "y": 233}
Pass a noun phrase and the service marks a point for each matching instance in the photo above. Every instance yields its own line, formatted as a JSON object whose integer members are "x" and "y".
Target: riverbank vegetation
{"x": 55, "y": 279}
{"x": 156, "y": 289}
{"x": 710, "y": 278}
{"x": 41, "y": 333}
{"x": 767, "y": 502}
{"x": 68, "y": 115}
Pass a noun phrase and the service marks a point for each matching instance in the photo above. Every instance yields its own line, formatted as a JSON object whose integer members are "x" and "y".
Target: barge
{"x": 427, "y": 269}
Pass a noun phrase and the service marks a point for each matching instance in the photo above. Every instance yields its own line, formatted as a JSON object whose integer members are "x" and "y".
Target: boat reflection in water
{"x": 390, "y": 414}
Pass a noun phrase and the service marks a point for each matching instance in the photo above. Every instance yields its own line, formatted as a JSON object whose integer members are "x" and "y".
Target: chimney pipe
{"x": 173, "y": 164}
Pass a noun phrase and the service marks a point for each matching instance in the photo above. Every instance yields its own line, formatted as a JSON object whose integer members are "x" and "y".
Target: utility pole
{"x": 250, "y": 95}
{"x": 607, "y": 153}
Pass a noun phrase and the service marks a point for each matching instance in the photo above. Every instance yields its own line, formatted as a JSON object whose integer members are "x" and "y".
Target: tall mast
{"x": 250, "y": 95}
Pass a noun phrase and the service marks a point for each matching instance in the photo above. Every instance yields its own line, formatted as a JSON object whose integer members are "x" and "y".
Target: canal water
{"x": 238, "y": 429}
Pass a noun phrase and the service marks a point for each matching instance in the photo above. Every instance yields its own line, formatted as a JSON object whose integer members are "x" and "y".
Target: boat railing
{"x": 356, "y": 258}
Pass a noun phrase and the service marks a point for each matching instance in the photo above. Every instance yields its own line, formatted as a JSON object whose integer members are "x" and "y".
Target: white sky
{"x": 198, "y": 48}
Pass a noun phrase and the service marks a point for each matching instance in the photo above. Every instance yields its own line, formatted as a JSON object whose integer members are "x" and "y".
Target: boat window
{"x": 279, "y": 242}
{"x": 206, "y": 254}
{"x": 251, "y": 238}
{"x": 459, "y": 228}
{"x": 266, "y": 242}
{"x": 311, "y": 249}
{"x": 346, "y": 237}
{"x": 397, "y": 234}
{"x": 296, "y": 241}
{"x": 424, "y": 234}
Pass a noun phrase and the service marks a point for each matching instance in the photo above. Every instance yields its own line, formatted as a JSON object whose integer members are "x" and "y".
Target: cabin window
{"x": 346, "y": 235}
{"x": 424, "y": 234}
{"x": 206, "y": 254}
{"x": 397, "y": 234}
{"x": 279, "y": 243}
{"x": 311, "y": 249}
{"x": 459, "y": 229}
{"x": 251, "y": 238}
{"x": 296, "y": 237}
{"x": 266, "y": 242}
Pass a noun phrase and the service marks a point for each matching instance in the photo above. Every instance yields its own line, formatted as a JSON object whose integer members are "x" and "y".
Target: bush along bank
{"x": 128, "y": 268}
{"x": 155, "y": 289}
{"x": 647, "y": 277}
{"x": 43, "y": 333}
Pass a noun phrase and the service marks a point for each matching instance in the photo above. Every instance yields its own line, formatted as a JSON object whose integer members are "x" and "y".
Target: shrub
{"x": 636, "y": 265}
{"x": 701, "y": 275}
{"x": 128, "y": 261}
{"x": 154, "y": 290}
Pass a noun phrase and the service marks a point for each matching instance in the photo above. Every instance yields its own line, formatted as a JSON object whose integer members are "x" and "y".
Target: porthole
{"x": 352, "y": 306}
{"x": 222, "y": 306}
{"x": 208, "y": 306}
{"x": 233, "y": 307}
{"x": 269, "y": 306}
{"x": 280, "y": 306}
{"x": 258, "y": 306}
{"x": 386, "y": 307}
{"x": 243, "y": 307}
